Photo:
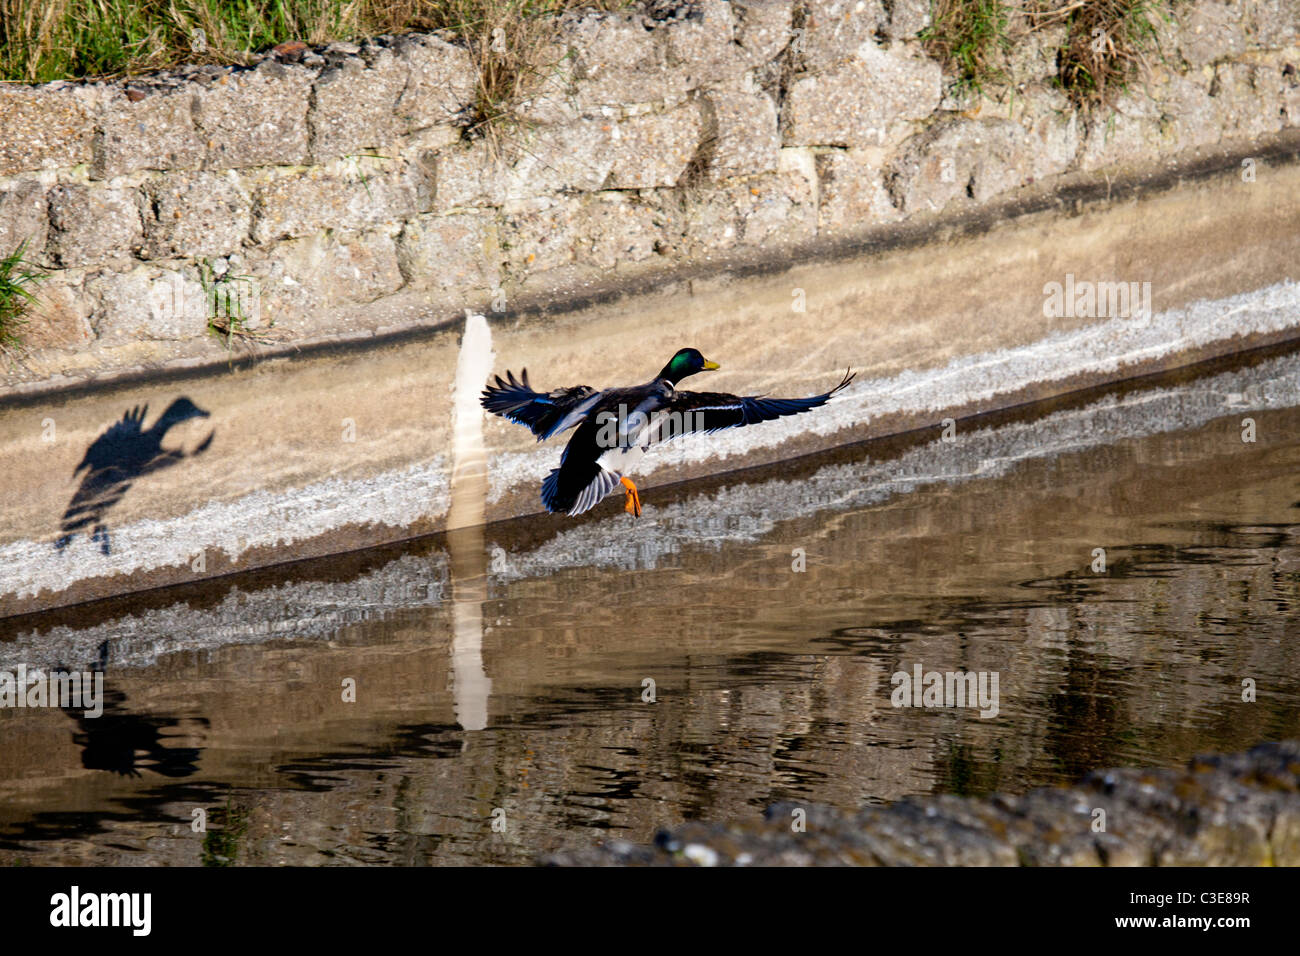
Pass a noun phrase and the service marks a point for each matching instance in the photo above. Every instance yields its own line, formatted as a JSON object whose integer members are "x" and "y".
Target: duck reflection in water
{"x": 125, "y": 452}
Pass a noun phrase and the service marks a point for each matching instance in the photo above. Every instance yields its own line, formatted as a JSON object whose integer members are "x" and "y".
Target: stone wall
{"x": 340, "y": 191}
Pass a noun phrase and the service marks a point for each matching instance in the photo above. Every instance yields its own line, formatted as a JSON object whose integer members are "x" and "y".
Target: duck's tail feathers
{"x": 578, "y": 490}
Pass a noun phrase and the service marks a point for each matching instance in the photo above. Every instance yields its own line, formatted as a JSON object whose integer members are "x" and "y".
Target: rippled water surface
{"x": 576, "y": 680}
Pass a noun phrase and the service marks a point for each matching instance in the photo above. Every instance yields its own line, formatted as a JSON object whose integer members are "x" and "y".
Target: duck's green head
{"x": 686, "y": 362}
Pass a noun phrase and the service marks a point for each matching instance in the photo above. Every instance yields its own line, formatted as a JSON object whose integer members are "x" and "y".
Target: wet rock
{"x": 23, "y": 218}
{"x": 91, "y": 225}
{"x": 1234, "y": 810}
{"x": 195, "y": 214}
{"x": 152, "y": 130}
{"x": 255, "y": 117}
{"x": 866, "y": 101}
{"x": 46, "y": 127}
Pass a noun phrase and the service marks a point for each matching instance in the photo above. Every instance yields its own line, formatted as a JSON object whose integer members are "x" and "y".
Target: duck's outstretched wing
{"x": 712, "y": 411}
{"x": 107, "y": 448}
{"x": 544, "y": 413}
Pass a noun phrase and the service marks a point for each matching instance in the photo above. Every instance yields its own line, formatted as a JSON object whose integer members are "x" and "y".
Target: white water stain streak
{"x": 470, "y": 682}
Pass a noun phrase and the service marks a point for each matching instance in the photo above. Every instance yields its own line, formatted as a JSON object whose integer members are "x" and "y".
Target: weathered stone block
{"x": 540, "y": 235}
{"x": 907, "y": 18}
{"x": 833, "y": 30}
{"x": 1248, "y": 100}
{"x": 616, "y": 229}
{"x": 574, "y": 156}
{"x": 23, "y": 216}
{"x": 468, "y": 175}
{"x": 256, "y": 117}
{"x": 91, "y": 225}
{"x": 296, "y": 206}
{"x": 445, "y": 252}
{"x": 440, "y": 85}
{"x": 779, "y": 207}
{"x": 303, "y": 281}
{"x": 59, "y": 317}
{"x": 618, "y": 62}
{"x": 46, "y": 127}
{"x": 353, "y": 106}
{"x": 655, "y": 149}
{"x": 147, "y": 303}
{"x": 852, "y": 193}
{"x": 195, "y": 214}
{"x": 154, "y": 132}
{"x": 1208, "y": 31}
{"x": 1130, "y": 133}
{"x": 867, "y": 102}
{"x": 701, "y": 47}
{"x": 959, "y": 157}
{"x": 746, "y": 140}
{"x": 762, "y": 28}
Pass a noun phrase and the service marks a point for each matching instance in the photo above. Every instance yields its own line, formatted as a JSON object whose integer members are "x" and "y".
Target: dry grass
{"x": 1106, "y": 41}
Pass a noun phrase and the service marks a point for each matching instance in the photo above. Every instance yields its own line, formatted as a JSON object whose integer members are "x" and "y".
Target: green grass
{"x": 1106, "y": 41}
{"x": 971, "y": 36}
{"x": 223, "y": 299}
{"x": 44, "y": 40}
{"x": 17, "y": 292}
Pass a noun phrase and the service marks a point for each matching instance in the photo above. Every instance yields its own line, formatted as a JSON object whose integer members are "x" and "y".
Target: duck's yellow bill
{"x": 710, "y": 366}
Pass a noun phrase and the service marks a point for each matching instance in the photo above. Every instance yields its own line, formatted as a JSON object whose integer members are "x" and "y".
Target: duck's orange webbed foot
{"x": 633, "y": 504}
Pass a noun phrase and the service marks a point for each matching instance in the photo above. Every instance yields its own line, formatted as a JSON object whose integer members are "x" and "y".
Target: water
{"x": 768, "y": 683}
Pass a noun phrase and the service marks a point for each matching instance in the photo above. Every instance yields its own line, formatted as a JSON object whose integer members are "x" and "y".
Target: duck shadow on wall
{"x": 125, "y": 452}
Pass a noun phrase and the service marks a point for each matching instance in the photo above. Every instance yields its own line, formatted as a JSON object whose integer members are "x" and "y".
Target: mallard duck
{"x": 616, "y": 426}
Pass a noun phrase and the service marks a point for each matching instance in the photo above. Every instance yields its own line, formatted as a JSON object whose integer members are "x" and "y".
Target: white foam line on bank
{"x": 1103, "y": 348}
{"x": 259, "y": 520}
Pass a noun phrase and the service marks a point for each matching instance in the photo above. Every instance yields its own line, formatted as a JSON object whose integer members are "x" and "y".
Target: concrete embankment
{"x": 1233, "y": 810}
{"x": 339, "y": 450}
{"x": 914, "y": 236}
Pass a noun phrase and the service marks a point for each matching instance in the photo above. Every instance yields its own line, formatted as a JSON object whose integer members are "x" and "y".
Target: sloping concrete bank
{"x": 1232, "y": 810}
{"x": 340, "y": 450}
{"x": 788, "y": 207}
